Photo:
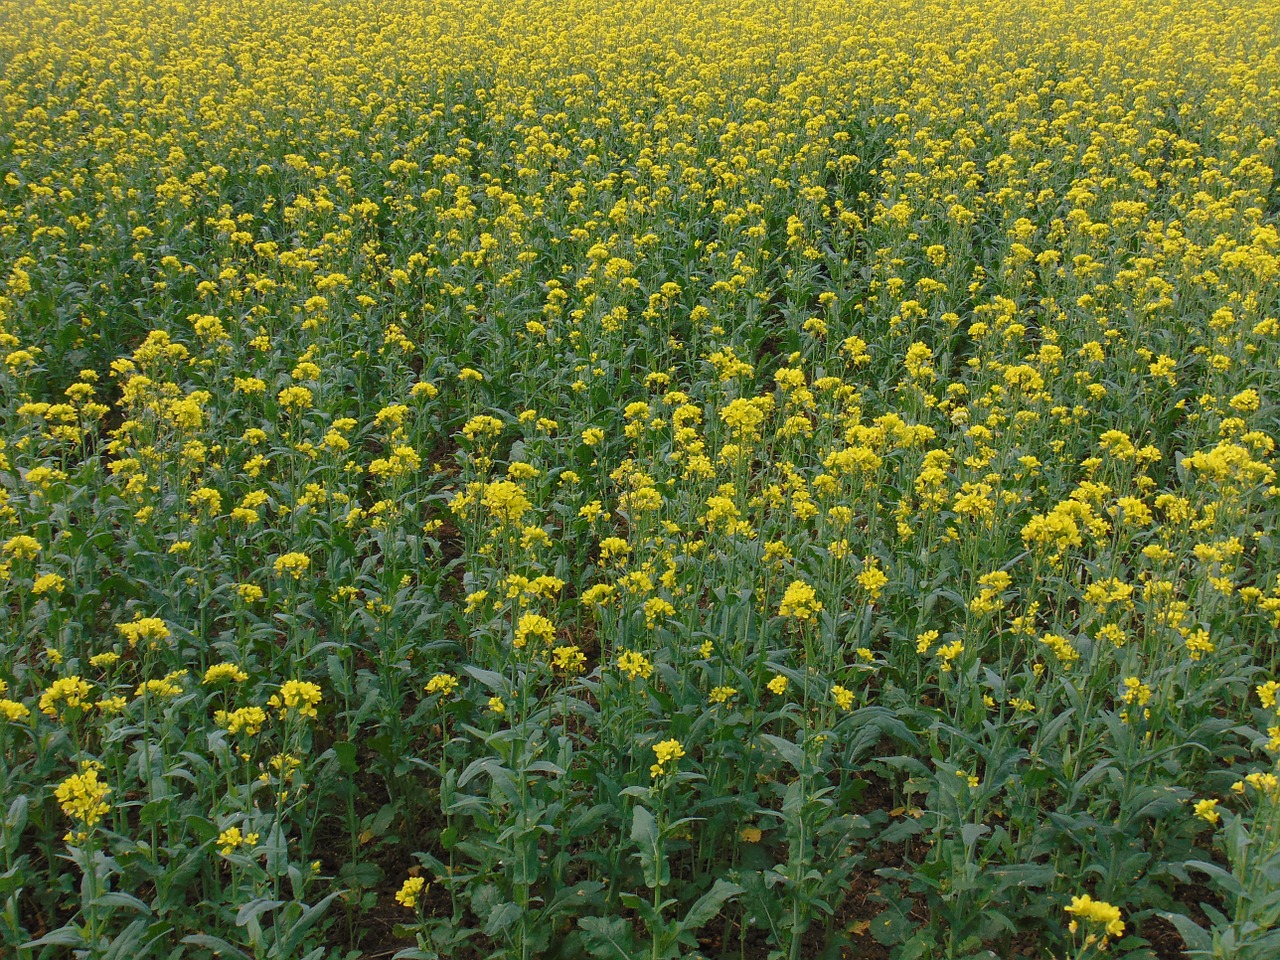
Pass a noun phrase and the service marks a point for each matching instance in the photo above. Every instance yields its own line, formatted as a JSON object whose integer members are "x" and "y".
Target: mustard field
{"x": 578, "y": 479}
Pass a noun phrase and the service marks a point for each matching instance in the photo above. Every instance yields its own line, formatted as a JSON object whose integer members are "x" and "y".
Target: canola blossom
{"x": 82, "y": 796}
{"x": 1096, "y": 912}
{"x": 725, "y": 479}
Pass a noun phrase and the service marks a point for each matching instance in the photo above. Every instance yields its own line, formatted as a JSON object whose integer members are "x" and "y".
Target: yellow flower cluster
{"x": 443, "y": 684}
{"x": 83, "y": 795}
{"x": 144, "y": 628}
{"x": 232, "y": 839}
{"x": 666, "y": 752}
{"x": 634, "y": 665}
{"x": 292, "y": 564}
{"x": 1097, "y": 912}
{"x": 224, "y": 673}
{"x": 298, "y": 696}
{"x": 410, "y": 891}
{"x": 800, "y": 601}
{"x": 247, "y": 720}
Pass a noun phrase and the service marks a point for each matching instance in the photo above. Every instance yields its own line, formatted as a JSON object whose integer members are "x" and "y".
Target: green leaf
{"x": 361, "y": 874}
{"x": 1196, "y": 939}
{"x": 382, "y": 820}
{"x": 706, "y": 907}
{"x": 644, "y": 829}
{"x": 310, "y": 915}
{"x": 276, "y": 851}
{"x": 345, "y": 751}
{"x": 255, "y": 908}
{"x": 217, "y": 945}
{"x": 644, "y": 833}
{"x": 971, "y": 833}
{"x": 607, "y": 938}
{"x": 485, "y": 899}
{"x": 501, "y": 918}
{"x": 134, "y": 939}
{"x": 490, "y": 678}
{"x": 68, "y": 936}
{"x": 153, "y": 812}
{"x": 1224, "y": 878}
{"x": 575, "y": 896}
{"x": 117, "y": 898}
{"x": 792, "y": 753}
{"x": 1024, "y": 875}
{"x": 582, "y": 822}
{"x": 16, "y": 819}
{"x": 893, "y": 924}
{"x": 14, "y": 823}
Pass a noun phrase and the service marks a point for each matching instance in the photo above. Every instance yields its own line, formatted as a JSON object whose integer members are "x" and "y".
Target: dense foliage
{"x": 712, "y": 478}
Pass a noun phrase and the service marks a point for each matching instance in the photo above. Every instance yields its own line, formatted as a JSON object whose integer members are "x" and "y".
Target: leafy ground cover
{"x": 582, "y": 479}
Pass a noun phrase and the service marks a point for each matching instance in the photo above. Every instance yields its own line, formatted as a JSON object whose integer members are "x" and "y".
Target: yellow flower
{"x": 1135, "y": 691}
{"x": 232, "y": 839}
{"x": 220, "y": 672}
{"x": 1061, "y": 647}
{"x": 778, "y": 684}
{"x": 410, "y": 891}
{"x": 1246, "y": 401}
{"x": 443, "y": 684}
{"x": 13, "y": 711}
{"x": 535, "y": 626}
{"x": 872, "y": 578}
{"x": 800, "y": 601}
{"x": 293, "y": 564}
{"x": 1207, "y": 810}
{"x": 666, "y": 751}
{"x": 1096, "y": 911}
{"x": 1198, "y": 644}
{"x": 569, "y": 659}
{"x": 82, "y": 795}
{"x": 206, "y": 500}
{"x": 656, "y": 608}
{"x": 842, "y": 697}
{"x": 47, "y": 583}
{"x": 144, "y": 628}
{"x": 1267, "y": 693}
{"x": 634, "y": 665}
{"x": 614, "y": 548}
{"x": 598, "y": 595}
{"x": 247, "y": 719}
{"x": 295, "y": 399}
{"x": 22, "y": 547}
{"x": 167, "y": 686}
{"x": 111, "y": 706}
{"x": 296, "y": 695}
{"x": 71, "y": 691}
{"x": 723, "y": 694}
{"x": 949, "y": 652}
{"x": 506, "y": 502}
